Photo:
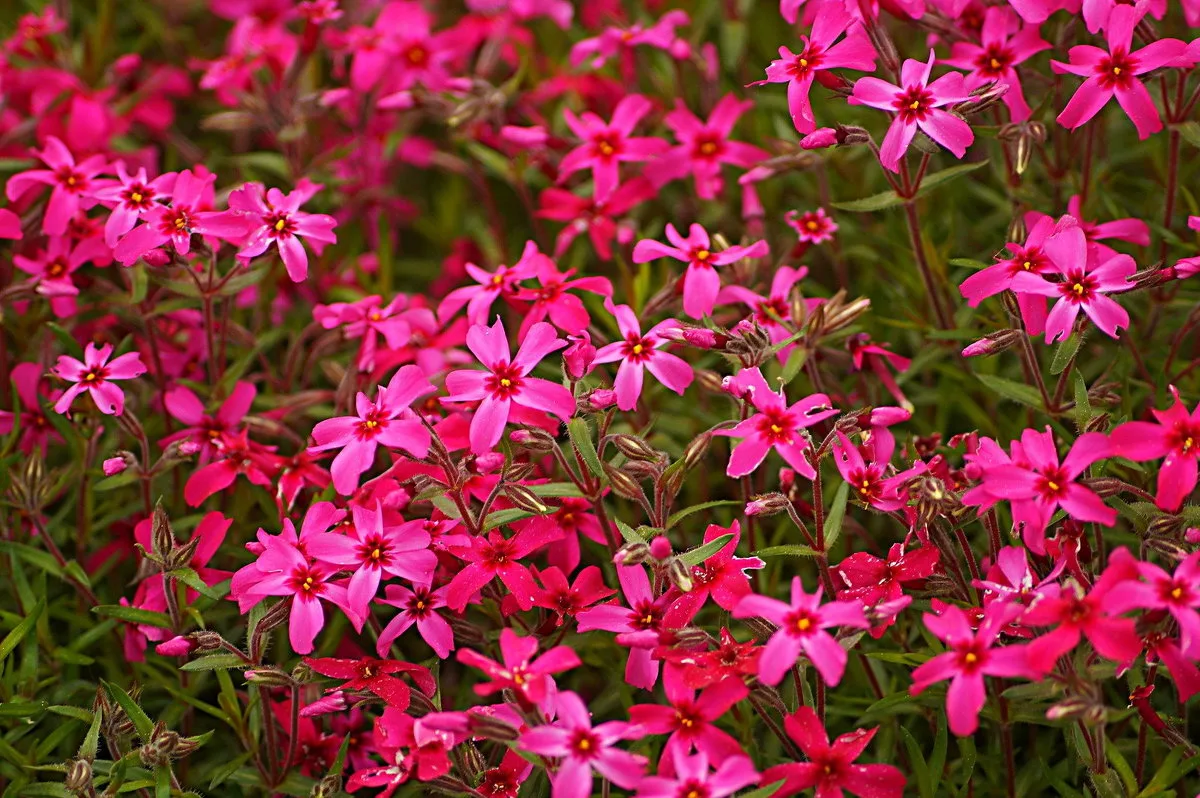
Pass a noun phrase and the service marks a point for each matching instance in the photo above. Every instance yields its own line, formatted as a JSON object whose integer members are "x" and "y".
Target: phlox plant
{"x": 557, "y": 399}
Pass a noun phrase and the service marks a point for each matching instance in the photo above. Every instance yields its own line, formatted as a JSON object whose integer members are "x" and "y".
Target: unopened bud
{"x": 1073, "y": 708}
{"x": 622, "y": 484}
{"x": 1165, "y": 526}
{"x": 1168, "y": 548}
{"x": 579, "y": 356}
{"x": 708, "y": 380}
{"x": 696, "y": 450}
{"x": 525, "y": 499}
{"x": 1097, "y": 423}
{"x": 819, "y": 139}
{"x": 115, "y": 465}
{"x": 175, "y": 647}
{"x": 189, "y": 448}
{"x": 533, "y": 439}
{"x": 850, "y": 135}
{"x": 679, "y": 574}
{"x": 640, "y": 470}
{"x": 993, "y": 343}
{"x": 634, "y": 448}
{"x": 490, "y": 727}
{"x": 329, "y": 786}
{"x": 79, "y": 776}
{"x": 162, "y": 537}
{"x": 269, "y": 677}
{"x": 633, "y": 554}
{"x": 660, "y": 547}
{"x": 600, "y": 399}
{"x": 768, "y": 504}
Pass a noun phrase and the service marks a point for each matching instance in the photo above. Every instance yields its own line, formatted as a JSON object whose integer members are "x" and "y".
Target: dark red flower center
{"x": 971, "y": 657}
{"x": 1052, "y": 484}
{"x": 585, "y": 744}
{"x": 646, "y": 616}
{"x": 637, "y": 348}
{"x": 1176, "y": 591}
{"x": 306, "y": 582}
{"x": 71, "y": 180}
{"x": 372, "y": 424}
{"x": 1079, "y": 288}
{"x": 1115, "y": 70}
{"x": 777, "y": 426}
{"x": 707, "y": 145}
{"x": 913, "y": 104}
{"x": 1185, "y": 438}
{"x": 805, "y": 62}
{"x": 375, "y": 551}
{"x": 994, "y": 61}
{"x": 801, "y": 623}
{"x": 420, "y": 604}
{"x": 56, "y": 269}
{"x": 770, "y": 310}
{"x": 177, "y": 222}
{"x": 280, "y": 225}
{"x": 606, "y": 145}
{"x": 138, "y": 196}
{"x": 504, "y": 382}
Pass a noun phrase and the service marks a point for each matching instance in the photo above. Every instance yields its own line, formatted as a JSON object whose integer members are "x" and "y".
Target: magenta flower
{"x": 372, "y": 550}
{"x": 95, "y": 374}
{"x": 10, "y": 225}
{"x": 701, "y": 283}
{"x": 704, "y": 146}
{"x": 802, "y": 625}
{"x": 528, "y": 678}
{"x": 774, "y": 308}
{"x": 238, "y": 455}
{"x": 691, "y": 776}
{"x": 721, "y": 577}
{"x": 478, "y": 299}
{"x": 1085, "y": 283}
{"x": 691, "y": 720}
{"x": 36, "y": 429}
{"x": 1075, "y": 612}
{"x": 812, "y": 227}
{"x": 180, "y": 221}
{"x": 131, "y": 198}
{"x": 551, "y": 300}
{"x": 201, "y": 428}
{"x": 876, "y": 581}
{"x": 642, "y": 352}
{"x": 615, "y": 41}
{"x": 417, "y": 607}
{"x": 276, "y": 218}
{"x": 376, "y": 676}
{"x": 867, "y": 479}
{"x": 1028, "y": 257}
{"x": 830, "y": 768}
{"x": 637, "y": 625}
{"x": 582, "y": 748}
{"x": 972, "y": 656}
{"x": 821, "y": 52}
{"x": 917, "y": 103}
{"x": 387, "y": 421}
{"x": 1176, "y": 437}
{"x": 596, "y": 217}
{"x": 73, "y": 184}
{"x": 1114, "y": 73}
{"x": 1177, "y": 594}
{"x": 368, "y": 319}
{"x": 995, "y": 58}
{"x": 507, "y": 381}
{"x": 494, "y": 556}
{"x": 606, "y": 144}
{"x": 776, "y": 426}
{"x": 50, "y": 271}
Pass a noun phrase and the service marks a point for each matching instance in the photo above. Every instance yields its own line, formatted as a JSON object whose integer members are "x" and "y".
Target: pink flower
{"x": 637, "y": 626}
{"x": 615, "y": 41}
{"x": 495, "y": 556}
{"x": 1084, "y": 286}
{"x": 276, "y": 218}
{"x": 812, "y": 227}
{"x": 606, "y": 144}
{"x": 701, "y": 283}
{"x": 492, "y": 285}
{"x": 387, "y": 421}
{"x": 691, "y": 776}
{"x": 10, "y": 225}
{"x": 376, "y": 676}
{"x": 802, "y": 625}
{"x": 527, "y": 678}
{"x": 1030, "y": 257}
{"x": 569, "y": 599}
{"x": 704, "y": 146}
{"x": 691, "y": 721}
{"x": 972, "y": 655}
{"x": 200, "y": 427}
{"x": 369, "y": 318}
{"x": 996, "y": 56}
{"x": 95, "y": 374}
{"x": 1035, "y": 12}
{"x": 1177, "y": 593}
{"x": 830, "y": 768}
{"x": 73, "y": 184}
{"x": 51, "y": 271}
{"x": 776, "y": 426}
{"x": 179, "y": 222}
{"x": 1176, "y": 437}
{"x": 114, "y": 465}
{"x": 820, "y": 54}
{"x": 866, "y": 478}
{"x": 771, "y": 310}
{"x": 721, "y": 577}
{"x": 551, "y": 300}
{"x": 639, "y": 352}
{"x": 417, "y": 607}
{"x": 917, "y": 103}
{"x": 874, "y": 581}
{"x": 507, "y": 381}
{"x": 582, "y": 748}
{"x": 1114, "y": 73}
{"x": 238, "y": 455}
{"x": 131, "y": 198}
{"x": 596, "y": 217}
{"x": 372, "y": 550}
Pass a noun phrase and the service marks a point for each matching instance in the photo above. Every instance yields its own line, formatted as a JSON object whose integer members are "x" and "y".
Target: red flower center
{"x": 1115, "y": 70}
{"x": 375, "y": 551}
{"x": 306, "y": 582}
{"x": 805, "y": 62}
{"x": 1185, "y": 438}
{"x": 971, "y": 657}
{"x": 646, "y": 616}
{"x": 372, "y": 425}
{"x": 504, "y": 382}
{"x": 994, "y": 61}
{"x": 637, "y": 348}
{"x": 585, "y": 744}
{"x": 138, "y": 196}
{"x": 1052, "y": 484}
{"x": 707, "y": 146}
{"x": 913, "y": 104}
{"x": 801, "y": 623}
{"x": 71, "y": 180}
{"x": 280, "y": 225}
{"x": 606, "y": 145}
{"x": 1079, "y": 288}
{"x": 777, "y": 426}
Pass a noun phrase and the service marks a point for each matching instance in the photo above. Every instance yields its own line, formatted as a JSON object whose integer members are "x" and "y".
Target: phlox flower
{"x": 36, "y": 429}
{"x": 10, "y": 225}
{"x": 637, "y": 625}
{"x": 1132, "y": 230}
{"x": 51, "y": 271}
{"x": 276, "y": 218}
{"x": 417, "y": 606}
{"x": 606, "y": 144}
{"x": 691, "y": 720}
{"x": 95, "y": 375}
{"x": 1177, "y": 593}
{"x": 1115, "y": 73}
{"x": 596, "y": 217}
{"x": 568, "y": 599}
{"x": 1028, "y": 257}
{"x": 614, "y": 41}
{"x": 376, "y": 676}
{"x": 551, "y": 300}
{"x": 528, "y": 678}
{"x": 830, "y": 767}
{"x": 691, "y": 776}
{"x": 72, "y": 184}
{"x": 130, "y": 197}
{"x": 201, "y": 428}
{"x": 721, "y": 577}
{"x": 1035, "y": 12}
{"x": 917, "y": 103}
{"x": 1176, "y": 438}
{"x": 637, "y": 353}
{"x": 821, "y": 52}
{"x": 493, "y": 556}
{"x": 177, "y": 223}
{"x": 872, "y": 580}
{"x": 1084, "y": 286}
{"x": 812, "y": 227}
{"x": 388, "y": 421}
{"x": 972, "y": 656}
{"x": 369, "y": 318}
{"x": 774, "y": 308}
{"x": 802, "y": 624}
{"x": 582, "y": 748}
{"x": 868, "y": 479}
{"x": 995, "y": 58}
{"x": 777, "y": 426}
{"x": 704, "y": 146}
{"x": 478, "y": 299}
{"x": 506, "y": 381}
{"x": 701, "y": 283}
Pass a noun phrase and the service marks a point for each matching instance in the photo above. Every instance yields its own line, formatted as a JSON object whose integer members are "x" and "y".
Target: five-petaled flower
{"x": 701, "y": 282}
{"x": 95, "y": 374}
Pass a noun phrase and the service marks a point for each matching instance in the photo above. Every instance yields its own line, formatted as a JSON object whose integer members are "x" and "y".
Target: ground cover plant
{"x": 532, "y": 398}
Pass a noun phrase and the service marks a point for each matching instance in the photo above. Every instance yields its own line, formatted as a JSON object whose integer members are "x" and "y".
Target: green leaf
{"x": 1016, "y": 391}
{"x": 505, "y": 516}
{"x": 875, "y": 202}
{"x": 192, "y": 579}
{"x": 628, "y": 533}
{"x": 1083, "y": 406}
{"x": 946, "y": 175}
{"x": 837, "y": 515}
{"x": 141, "y": 721}
{"x": 212, "y": 662}
{"x": 140, "y": 282}
{"x": 66, "y": 340}
{"x": 21, "y": 630}
{"x": 91, "y": 740}
{"x": 890, "y": 199}
{"x": 970, "y": 263}
{"x": 1190, "y": 131}
{"x": 158, "y": 620}
{"x": 937, "y": 761}
{"x": 701, "y": 553}
{"x": 916, "y": 760}
{"x": 581, "y": 439}
{"x": 1064, "y": 352}
{"x": 695, "y": 508}
{"x": 225, "y": 771}
{"x": 790, "y": 550}
{"x": 795, "y": 362}
{"x": 162, "y": 782}
{"x": 553, "y": 490}
{"x": 967, "y": 755}
{"x": 763, "y": 792}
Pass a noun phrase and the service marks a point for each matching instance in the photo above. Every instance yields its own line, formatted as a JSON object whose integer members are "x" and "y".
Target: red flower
{"x": 375, "y": 675}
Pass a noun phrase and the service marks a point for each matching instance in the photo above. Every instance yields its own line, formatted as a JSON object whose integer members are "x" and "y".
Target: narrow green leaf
{"x": 916, "y": 760}
{"x": 1064, "y": 352}
{"x": 837, "y": 515}
{"x": 1083, "y": 406}
{"x": 158, "y": 620}
{"x": 212, "y": 662}
{"x": 628, "y": 533}
{"x": 795, "y": 362}
{"x": 675, "y": 518}
{"x": 22, "y": 629}
{"x": 162, "y": 782}
{"x": 946, "y": 175}
{"x": 790, "y": 550}
{"x": 581, "y": 439}
{"x": 875, "y": 202}
{"x": 967, "y": 755}
{"x": 91, "y": 740}
{"x": 505, "y": 516}
{"x": 764, "y": 792}
{"x": 701, "y": 553}
{"x": 1016, "y": 391}
{"x": 141, "y": 721}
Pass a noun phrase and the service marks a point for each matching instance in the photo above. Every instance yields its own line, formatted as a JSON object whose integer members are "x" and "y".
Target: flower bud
{"x": 600, "y": 399}
{"x": 533, "y": 439}
{"x": 489, "y": 727}
{"x": 579, "y": 356}
{"x": 634, "y": 448}
{"x": 269, "y": 677}
{"x": 332, "y": 702}
{"x": 175, "y": 647}
{"x": 1187, "y": 267}
{"x": 162, "y": 537}
{"x": 622, "y": 484}
{"x": 1097, "y": 423}
{"x": 1192, "y": 535}
{"x": 524, "y": 499}
{"x": 79, "y": 776}
{"x": 660, "y": 547}
{"x": 189, "y": 448}
{"x": 696, "y": 450}
{"x": 633, "y": 554}
{"x": 679, "y": 574}
{"x": 1165, "y": 526}
{"x": 767, "y": 504}
{"x": 115, "y": 465}
{"x": 819, "y": 139}
{"x": 993, "y": 343}
{"x": 329, "y": 786}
